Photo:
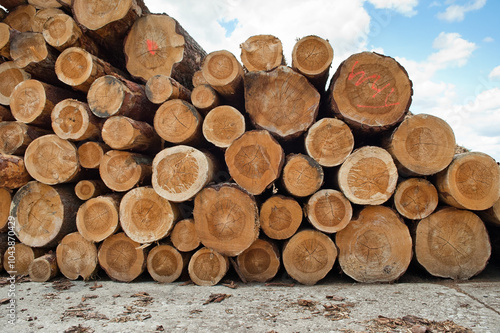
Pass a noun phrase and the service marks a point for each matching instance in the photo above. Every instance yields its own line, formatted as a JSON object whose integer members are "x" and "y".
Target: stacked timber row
{"x": 126, "y": 147}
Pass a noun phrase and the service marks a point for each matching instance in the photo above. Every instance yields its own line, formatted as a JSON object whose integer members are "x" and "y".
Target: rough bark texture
{"x": 416, "y": 198}
{"x": 260, "y": 262}
{"x": 15, "y": 136}
{"x": 13, "y": 173}
{"x": 161, "y": 88}
{"x": 73, "y": 120}
{"x": 122, "y": 170}
{"x": 328, "y": 210}
{"x": 76, "y": 257}
{"x": 262, "y": 53}
{"x": 5, "y": 114}
{"x": 207, "y": 267}
{"x": 492, "y": 214}
{"x": 280, "y": 217}
{"x": 98, "y": 218}
{"x": 302, "y": 175}
{"x": 222, "y": 125}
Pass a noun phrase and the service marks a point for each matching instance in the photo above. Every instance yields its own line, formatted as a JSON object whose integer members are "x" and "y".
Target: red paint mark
{"x": 152, "y": 46}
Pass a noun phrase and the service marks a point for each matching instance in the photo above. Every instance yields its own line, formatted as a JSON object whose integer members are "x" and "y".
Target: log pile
{"x": 125, "y": 147}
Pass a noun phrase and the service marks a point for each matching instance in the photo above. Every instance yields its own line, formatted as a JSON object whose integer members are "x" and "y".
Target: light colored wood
{"x": 6, "y": 35}
{"x": 23, "y": 257}
{"x": 62, "y": 32}
{"x": 165, "y": 264}
{"x": 5, "y": 201}
{"x": 207, "y": 267}
{"x": 44, "y": 268}
{"x": 72, "y": 120}
{"x": 261, "y": 53}
{"x": 260, "y": 262}
{"x": 205, "y": 98}
{"x": 328, "y": 210}
{"x": 415, "y": 198}
{"x": 122, "y": 170}
{"x": 492, "y": 214}
{"x": 42, "y": 16}
{"x": 161, "y": 88}
{"x": 88, "y": 189}
{"x": 280, "y": 217}
{"x": 123, "y": 133}
{"x": 198, "y": 78}
{"x": 184, "y": 236}
{"x": 90, "y": 154}
{"x": 21, "y": 17}
{"x": 40, "y": 4}
{"x": 15, "y": 136}
{"x": 222, "y": 125}
{"x": 177, "y": 121}
{"x": 98, "y": 218}
{"x": 302, "y": 175}
{"x": 10, "y": 77}
{"x": 76, "y": 257}
{"x": 13, "y": 171}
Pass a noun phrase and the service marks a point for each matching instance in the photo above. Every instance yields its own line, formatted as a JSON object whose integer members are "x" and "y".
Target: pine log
{"x": 41, "y": 4}
{"x": 178, "y": 122}
{"x": 123, "y": 133}
{"x": 452, "y": 243}
{"x": 122, "y": 170}
{"x": 90, "y": 154}
{"x": 368, "y": 176}
{"x": 52, "y": 160}
{"x": 260, "y": 262}
{"x": 308, "y": 256}
{"x": 184, "y": 236}
{"x": 73, "y": 120}
{"x": 44, "y": 268}
{"x": 357, "y": 97}
{"x": 492, "y": 214}
{"x": 15, "y": 136}
{"x": 5, "y": 201}
{"x": 157, "y": 44}
{"x": 21, "y": 257}
{"x": 43, "y": 16}
{"x": 281, "y": 101}
{"x": 180, "y": 172}
{"x": 11, "y": 4}
{"x": 88, "y": 189}
{"x": 421, "y": 145}
{"x": 76, "y": 257}
{"x": 13, "y": 173}
{"x": 44, "y": 214}
{"x": 98, "y": 218}
{"x": 6, "y": 35}
{"x": 10, "y": 77}
{"x": 165, "y": 264}
{"x": 5, "y": 114}
{"x": 226, "y": 219}
{"x": 161, "y": 88}
{"x": 415, "y": 198}
{"x": 302, "y": 175}
{"x": 198, "y": 79}
{"x": 262, "y": 53}
{"x": 207, "y": 267}
{"x": 222, "y": 125}
{"x": 375, "y": 246}
{"x": 471, "y": 181}
{"x": 205, "y": 98}
{"x": 254, "y": 161}
{"x": 328, "y": 211}
{"x": 21, "y": 17}
{"x": 3, "y": 15}
{"x": 329, "y": 141}
{"x": 280, "y": 217}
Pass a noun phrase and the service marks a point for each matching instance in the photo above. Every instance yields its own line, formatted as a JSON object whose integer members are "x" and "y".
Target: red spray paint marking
{"x": 152, "y": 46}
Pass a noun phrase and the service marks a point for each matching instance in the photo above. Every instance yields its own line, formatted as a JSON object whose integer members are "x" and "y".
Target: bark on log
{"x": 177, "y": 121}
{"x": 207, "y": 267}
{"x": 281, "y": 101}
{"x": 198, "y": 79}
{"x": 43, "y": 16}
{"x": 262, "y": 53}
{"x": 15, "y": 136}
{"x": 492, "y": 214}
{"x": 44, "y": 268}
{"x": 41, "y": 4}
{"x": 88, "y": 189}
{"x": 122, "y": 170}
{"x": 5, "y": 201}
{"x": 76, "y": 257}
{"x": 91, "y": 153}
{"x": 328, "y": 211}
{"x": 205, "y": 98}
{"x": 161, "y": 88}
{"x": 416, "y": 198}
{"x": 302, "y": 175}
{"x": 222, "y": 125}
{"x": 6, "y": 35}
{"x": 21, "y": 17}
{"x": 5, "y": 114}
{"x": 10, "y": 77}
{"x": 165, "y": 264}
{"x": 184, "y": 236}
{"x": 98, "y": 218}
{"x": 23, "y": 256}
{"x": 73, "y": 120}
{"x": 260, "y": 262}
{"x": 123, "y": 133}
{"x": 375, "y": 246}
{"x": 11, "y": 4}
{"x": 13, "y": 173}
{"x": 280, "y": 217}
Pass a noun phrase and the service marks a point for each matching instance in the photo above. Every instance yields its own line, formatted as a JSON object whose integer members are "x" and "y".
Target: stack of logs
{"x": 125, "y": 146}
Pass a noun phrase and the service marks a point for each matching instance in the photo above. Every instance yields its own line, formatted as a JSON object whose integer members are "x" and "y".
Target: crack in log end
{"x": 256, "y": 261}
{"x": 309, "y": 256}
{"x": 280, "y": 218}
{"x": 421, "y": 144}
{"x": 226, "y": 220}
{"x": 473, "y": 180}
{"x": 372, "y": 248}
{"x": 206, "y": 266}
{"x": 252, "y": 161}
{"x": 178, "y": 172}
{"x": 368, "y": 177}
{"x": 121, "y": 256}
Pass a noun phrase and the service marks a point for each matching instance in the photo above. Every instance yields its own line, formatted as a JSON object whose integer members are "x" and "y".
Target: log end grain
{"x": 74, "y": 66}
{"x": 416, "y": 198}
{"x": 72, "y": 120}
{"x": 178, "y": 122}
{"x": 76, "y": 256}
{"x": 165, "y": 264}
{"x": 260, "y": 262}
{"x": 207, "y": 267}
{"x": 302, "y": 175}
{"x": 10, "y": 77}
{"x": 91, "y": 153}
{"x": 329, "y": 210}
{"x": 98, "y": 218}
{"x": 184, "y": 236}
{"x": 122, "y": 170}
{"x": 223, "y": 125}
{"x": 261, "y": 53}
{"x": 280, "y": 217}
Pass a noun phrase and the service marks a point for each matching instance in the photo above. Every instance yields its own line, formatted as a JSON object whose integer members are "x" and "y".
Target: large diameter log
{"x": 123, "y": 133}
{"x": 375, "y": 246}
{"x": 98, "y": 218}
{"x": 73, "y": 120}
{"x": 5, "y": 201}
{"x": 21, "y": 17}
{"x": 226, "y": 219}
{"x": 222, "y": 125}
{"x": 260, "y": 262}
{"x": 452, "y": 243}
{"x": 44, "y": 214}
{"x": 492, "y": 214}
{"x": 10, "y": 77}
{"x": 471, "y": 181}
{"x": 281, "y": 101}
{"x": 177, "y": 121}
{"x": 302, "y": 175}
{"x": 91, "y": 153}
{"x": 369, "y": 91}
{"x": 43, "y": 16}
{"x": 13, "y": 172}
{"x": 15, "y": 136}
{"x": 161, "y": 88}
{"x": 308, "y": 256}
{"x": 255, "y": 160}
{"x": 416, "y": 198}
{"x": 183, "y": 236}
{"x": 87, "y": 189}
{"x": 328, "y": 210}
{"x": 165, "y": 264}
{"x": 76, "y": 257}
{"x": 368, "y": 176}
{"x": 205, "y": 98}
{"x": 421, "y": 145}
{"x": 207, "y": 267}
{"x": 21, "y": 257}
{"x": 280, "y": 217}
{"x": 262, "y": 53}
{"x": 122, "y": 170}
{"x": 43, "y": 268}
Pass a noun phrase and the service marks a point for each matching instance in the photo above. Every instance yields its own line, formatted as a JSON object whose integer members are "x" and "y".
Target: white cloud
{"x": 495, "y": 73}
{"x": 456, "y": 13}
{"x": 405, "y": 7}
{"x": 488, "y": 39}
{"x": 453, "y": 50}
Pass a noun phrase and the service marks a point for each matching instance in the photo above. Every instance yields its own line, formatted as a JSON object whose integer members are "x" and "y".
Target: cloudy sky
{"x": 450, "y": 48}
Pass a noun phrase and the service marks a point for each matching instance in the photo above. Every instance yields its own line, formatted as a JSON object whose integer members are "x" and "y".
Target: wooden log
{"x": 13, "y": 173}
{"x": 280, "y": 217}
{"x": 329, "y": 141}
{"x": 20, "y": 18}
{"x": 44, "y": 214}
{"x": 262, "y": 53}
{"x": 375, "y": 246}
{"x": 357, "y": 97}
{"x": 328, "y": 210}
{"x": 44, "y": 268}
{"x": 41, "y": 4}
{"x": 11, "y": 4}
{"x": 122, "y": 258}
{"x": 3, "y": 15}
{"x": 312, "y": 57}
{"x": 368, "y": 176}
{"x": 76, "y": 257}
{"x": 222, "y": 125}
{"x": 491, "y": 215}
{"x": 52, "y": 160}
{"x": 471, "y": 181}
{"x": 184, "y": 236}
{"x": 207, "y": 267}
{"x": 161, "y": 88}
{"x": 198, "y": 79}
{"x": 43, "y": 16}
{"x": 177, "y": 121}
{"x": 15, "y": 136}
{"x": 302, "y": 175}
{"x": 88, "y": 189}
{"x": 421, "y": 145}
{"x": 226, "y": 219}
{"x": 180, "y": 172}
{"x": 10, "y": 77}
{"x": 122, "y": 170}
{"x": 90, "y": 154}
{"x": 308, "y": 256}
{"x": 165, "y": 264}
{"x": 5, "y": 201}
{"x": 6, "y": 35}
{"x": 123, "y": 133}
{"x": 98, "y": 218}
{"x": 452, "y": 243}
{"x": 205, "y": 98}
{"x": 5, "y": 114}
{"x": 254, "y": 161}
{"x": 73, "y": 120}
{"x": 260, "y": 262}
{"x": 281, "y": 101}
{"x": 416, "y": 198}
{"x": 21, "y": 256}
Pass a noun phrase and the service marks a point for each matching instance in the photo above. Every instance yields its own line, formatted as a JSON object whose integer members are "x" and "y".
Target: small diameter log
{"x": 308, "y": 256}
{"x": 184, "y": 236}
{"x": 15, "y": 136}
{"x": 13, "y": 173}
{"x": 44, "y": 268}
{"x": 124, "y": 133}
{"x": 44, "y": 214}
{"x": 492, "y": 214}
{"x": 180, "y": 172}
{"x": 21, "y": 17}
{"x": 280, "y": 217}
{"x": 312, "y": 57}
{"x": 205, "y": 98}
{"x": 5, "y": 201}
{"x": 91, "y": 153}
{"x": 178, "y": 122}
{"x": 73, "y": 120}
{"x": 222, "y": 125}
{"x": 198, "y": 79}
{"x": 328, "y": 210}
{"x": 161, "y": 88}
{"x": 5, "y": 114}
{"x": 471, "y": 181}
{"x": 10, "y": 77}
{"x": 302, "y": 175}
{"x": 165, "y": 264}
{"x": 87, "y": 189}
{"x": 52, "y": 160}
{"x": 329, "y": 141}
{"x": 262, "y": 53}
{"x": 122, "y": 258}
{"x": 254, "y": 160}
{"x": 43, "y": 16}
{"x": 421, "y": 145}
{"x": 375, "y": 246}
{"x": 98, "y": 218}
{"x": 21, "y": 258}
{"x": 371, "y": 92}
{"x": 452, "y": 243}
{"x": 281, "y": 101}
{"x": 207, "y": 267}
{"x": 76, "y": 257}
{"x": 122, "y": 170}
{"x": 260, "y": 262}
{"x": 226, "y": 219}
{"x": 416, "y": 198}
{"x": 368, "y": 176}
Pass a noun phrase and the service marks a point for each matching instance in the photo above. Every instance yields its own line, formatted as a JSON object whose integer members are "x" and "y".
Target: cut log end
{"x": 416, "y": 198}
{"x": 207, "y": 267}
{"x": 312, "y": 56}
{"x": 44, "y": 268}
{"x": 280, "y": 217}
{"x": 260, "y": 262}
{"x": 122, "y": 170}
{"x": 23, "y": 257}
{"x": 184, "y": 236}
{"x": 205, "y": 98}
{"x": 302, "y": 175}
{"x": 10, "y": 77}
{"x": 76, "y": 256}
{"x": 5, "y": 201}
{"x": 91, "y": 153}
{"x": 178, "y": 122}
{"x": 161, "y": 88}
{"x": 21, "y": 17}
{"x": 75, "y": 67}
{"x": 98, "y": 218}
{"x": 28, "y": 101}
{"x": 165, "y": 264}
{"x": 223, "y": 125}
{"x": 329, "y": 211}
{"x": 72, "y": 120}
{"x": 87, "y": 189}
{"x": 95, "y": 14}
{"x": 124, "y": 133}
{"x": 261, "y": 53}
